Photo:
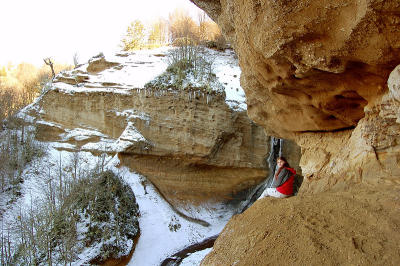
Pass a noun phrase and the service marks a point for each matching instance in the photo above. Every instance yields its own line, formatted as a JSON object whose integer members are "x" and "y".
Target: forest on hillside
{"x": 179, "y": 27}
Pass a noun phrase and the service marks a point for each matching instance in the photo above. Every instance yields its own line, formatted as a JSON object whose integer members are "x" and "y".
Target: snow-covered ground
{"x": 195, "y": 258}
{"x": 162, "y": 231}
{"x": 137, "y": 68}
{"x": 158, "y": 238}
{"x": 228, "y": 72}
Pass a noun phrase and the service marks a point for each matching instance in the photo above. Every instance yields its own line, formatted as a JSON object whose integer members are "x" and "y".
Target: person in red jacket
{"x": 282, "y": 183}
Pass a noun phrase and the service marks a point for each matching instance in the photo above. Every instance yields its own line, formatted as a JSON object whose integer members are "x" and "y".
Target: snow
{"x": 47, "y": 123}
{"x": 128, "y": 138}
{"x": 138, "y": 68}
{"x": 97, "y": 141}
{"x": 133, "y": 114}
{"x": 131, "y": 134}
{"x": 104, "y": 145}
{"x": 163, "y": 231}
{"x": 80, "y": 134}
{"x": 157, "y": 240}
{"x": 94, "y": 88}
{"x": 195, "y": 258}
{"x": 228, "y": 72}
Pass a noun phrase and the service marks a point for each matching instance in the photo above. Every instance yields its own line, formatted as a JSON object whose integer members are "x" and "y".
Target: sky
{"x": 35, "y": 29}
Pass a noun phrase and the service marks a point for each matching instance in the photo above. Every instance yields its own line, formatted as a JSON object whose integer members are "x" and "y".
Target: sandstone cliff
{"x": 312, "y": 66}
{"x": 317, "y": 72}
{"x": 192, "y": 145}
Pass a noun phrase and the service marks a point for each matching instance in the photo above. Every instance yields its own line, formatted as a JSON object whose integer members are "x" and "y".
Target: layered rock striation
{"x": 190, "y": 143}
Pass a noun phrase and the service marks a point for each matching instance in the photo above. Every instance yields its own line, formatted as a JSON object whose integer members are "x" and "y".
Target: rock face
{"x": 191, "y": 145}
{"x": 318, "y": 72}
{"x": 315, "y": 67}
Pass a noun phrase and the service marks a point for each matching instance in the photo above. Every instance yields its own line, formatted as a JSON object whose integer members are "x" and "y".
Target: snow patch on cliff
{"x": 140, "y": 67}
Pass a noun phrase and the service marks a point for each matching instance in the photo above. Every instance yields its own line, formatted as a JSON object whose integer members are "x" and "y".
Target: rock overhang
{"x": 310, "y": 65}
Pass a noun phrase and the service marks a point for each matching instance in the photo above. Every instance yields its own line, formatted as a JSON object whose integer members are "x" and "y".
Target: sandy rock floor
{"x": 357, "y": 227}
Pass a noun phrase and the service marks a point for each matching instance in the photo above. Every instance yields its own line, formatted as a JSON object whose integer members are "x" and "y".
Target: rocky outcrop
{"x": 318, "y": 72}
{"x": 315, "y": 67}
{"x": 192, "y": 145}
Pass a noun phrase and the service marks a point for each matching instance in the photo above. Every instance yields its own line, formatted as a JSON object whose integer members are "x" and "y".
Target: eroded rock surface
{"x": 312, "y": 64}
{"x": 318, "y": 72}
{"x": 315, "y": 67}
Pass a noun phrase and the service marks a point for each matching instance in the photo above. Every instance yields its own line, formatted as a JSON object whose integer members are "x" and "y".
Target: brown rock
{"x": 358, "y": 227}
{"x": 310, "y": 65}
{"x": 99, "y": 63}
{"x": 317, "y": 72}
{"x": 194, "y": 149}
{"x": 370, "y": 153}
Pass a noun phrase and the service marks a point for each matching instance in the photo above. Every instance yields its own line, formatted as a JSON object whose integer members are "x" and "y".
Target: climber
{"x": 282, "y": 183}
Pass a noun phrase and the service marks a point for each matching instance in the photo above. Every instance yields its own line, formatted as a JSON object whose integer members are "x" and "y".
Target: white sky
{"x": 34, "y": 29}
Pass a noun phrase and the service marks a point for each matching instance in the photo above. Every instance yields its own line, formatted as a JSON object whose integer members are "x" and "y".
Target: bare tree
{"x": 182, "y": 25}
{"x": 158, "y": 33}
{"x": 49, "y": 62}
{"x": 76, "y": 59}
{"x": 202, "y": 18}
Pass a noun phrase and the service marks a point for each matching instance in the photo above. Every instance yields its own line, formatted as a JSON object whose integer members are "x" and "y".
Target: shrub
{"x": 189, "y": 68}
{"x": 98, "y": 211}
{"x": 18, "y": 147}
{"x": 184, "y": 41}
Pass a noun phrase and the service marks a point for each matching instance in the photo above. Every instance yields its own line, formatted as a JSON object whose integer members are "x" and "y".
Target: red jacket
{"x": 287, "y": 187}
